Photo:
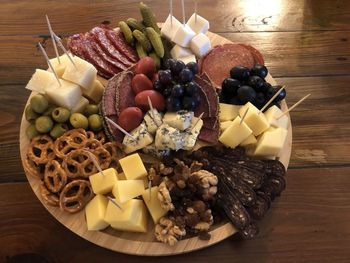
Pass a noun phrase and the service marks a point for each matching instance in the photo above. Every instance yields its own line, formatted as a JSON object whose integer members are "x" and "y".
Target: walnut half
{"x": 168, "y": 232}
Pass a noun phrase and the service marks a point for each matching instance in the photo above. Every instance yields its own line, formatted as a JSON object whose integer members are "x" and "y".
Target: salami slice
{"x": 75, "y": 45}
{"x": 125, "y": 97}
{"x": 219, "y": 61}
{"x": 258, "y": 58}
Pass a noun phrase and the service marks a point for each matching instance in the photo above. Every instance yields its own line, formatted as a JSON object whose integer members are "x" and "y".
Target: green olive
{"x": 78, "y": 120}
{"x": 39, "y": 103}
{"x": 60, "y": 114}
{"x": 43, "y": 124}
{"x": 95, "y": 122}
{"x": 58, "y": 130}
{"x": 30, "y": 114}
{"x": 49, "y": 110}
{"x": 91, "y": 109}
{"x": 31, "y": 132}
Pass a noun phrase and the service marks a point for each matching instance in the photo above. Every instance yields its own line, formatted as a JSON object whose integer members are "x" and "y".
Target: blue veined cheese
{"x": 142, "y": 139}
{"x": 191, "y": 134}
{"x": 180, "y": 120}
{"x": 152, "y": 150}
{"x": 168, "y": 138}
{"x": 153, "y": 120}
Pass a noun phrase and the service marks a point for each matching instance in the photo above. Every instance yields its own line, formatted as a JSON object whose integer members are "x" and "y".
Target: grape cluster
{"x": 175, "y": 83}
{"x": 246, "y": 85}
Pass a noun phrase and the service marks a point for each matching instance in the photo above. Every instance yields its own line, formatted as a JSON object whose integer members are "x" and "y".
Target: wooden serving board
{"x": 138, "y": 243}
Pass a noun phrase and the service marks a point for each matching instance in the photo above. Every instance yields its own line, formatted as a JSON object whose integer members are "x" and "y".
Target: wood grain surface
{"x": 306, "y": 46}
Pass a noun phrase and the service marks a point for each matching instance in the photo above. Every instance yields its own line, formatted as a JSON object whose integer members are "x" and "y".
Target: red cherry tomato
{"x": 157, "y": 99}
{"x": 130, "y": 118}
{"x": 146, "y": 66}
{"x": 155, "y": 77}
{"x": 140, "y": 82}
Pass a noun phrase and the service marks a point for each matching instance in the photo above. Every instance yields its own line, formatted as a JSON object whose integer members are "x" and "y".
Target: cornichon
{"x": 148, "y": 17}
{"x": 155, "y": 58}
{"x": 139, "y": 49}
{"x": 134, "y": 24}
{"x": 126, "y": 31}
{"x": 156, "y": 41}
{"x": 143, "y": 40}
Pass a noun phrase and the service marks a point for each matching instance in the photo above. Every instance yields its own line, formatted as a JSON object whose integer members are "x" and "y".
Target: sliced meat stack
{"x": 105, "y": 48}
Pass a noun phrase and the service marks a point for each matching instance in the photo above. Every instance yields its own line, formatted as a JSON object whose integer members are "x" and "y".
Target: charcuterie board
{"x": 140, "y": 243}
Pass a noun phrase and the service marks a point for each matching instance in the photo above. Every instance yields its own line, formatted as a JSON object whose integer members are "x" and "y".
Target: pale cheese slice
{"x": 153, "y": 204}
{"x": 126, "y": 190}
{"x": 95, "y": 213}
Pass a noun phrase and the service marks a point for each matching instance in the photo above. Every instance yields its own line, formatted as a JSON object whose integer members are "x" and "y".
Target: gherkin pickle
{"x": 39, "y": 103}
{"x": 61, "y": 114}
{"x": 43, "y": 124}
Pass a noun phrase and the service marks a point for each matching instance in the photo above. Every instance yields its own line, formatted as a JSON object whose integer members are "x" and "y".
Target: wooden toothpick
{"x": 94, "y": 160}
{"x": 49, "y": 63}
{"x": 171, "y": 12}
{"x": 59, "y": 42}
{"x": 273, "y": 97}
{"x": 120, "y": 128}
{"x": 245, "y": 114}
{"x": 151, "y": 107}
{"x": 53, "y": 40}
{"x": 291, "y": 108}
{"x": 183, "y": 12}
{"x": 199, "y": 118}
{"x": 114, "y": 202}
{"x": 195, "y": 11}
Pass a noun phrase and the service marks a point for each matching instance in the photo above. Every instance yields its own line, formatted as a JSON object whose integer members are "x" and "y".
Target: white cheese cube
{"x": 249, "y": 141}
{"x": 42, "y": 80}
{"x": 59, "y": 67}
{"x": 153, "y": 120}
{"x": 191, "y": 134}
{"x": 271, "y": 142}
{"x": 178, "y": 52}
{"x": 180, "y": 120}
{"x": 170, "y": 27}
{"x": 199, "y": 25}
{"x": 168, "y": 138}
{"x": 224, "y": 125}
{"x": 235, "y": 134}
{"x": 272, "y": 114}
{"x": 82, "y": 73}
{"x": 200, "y": 45}
{"x": 94, "y": 92}
{"x": 228, "y": 112}
{"x": 256, "y": 121}
{"x": 142, "y": 139}
{"x": 183, "y": 36}
{"x": 67, "y": 95}
{"x": 188, "y": 59}
{"x": 81, "y": 105}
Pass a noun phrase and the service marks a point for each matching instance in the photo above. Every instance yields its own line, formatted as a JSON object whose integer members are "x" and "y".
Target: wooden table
{"x": 306, "y": 45}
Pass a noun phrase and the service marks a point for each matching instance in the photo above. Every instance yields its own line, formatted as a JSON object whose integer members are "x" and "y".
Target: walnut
{"x": 164, "y": 170}
{"x": 181, "y": 173}
{"x": 207, "y": 182}
{"x": 195, "y": 166}
{"x": 164, "y": 195}
{"x": 168, "y": 232}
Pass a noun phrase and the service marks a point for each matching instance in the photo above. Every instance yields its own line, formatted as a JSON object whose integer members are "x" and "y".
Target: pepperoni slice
{"x": 258, "y": 58}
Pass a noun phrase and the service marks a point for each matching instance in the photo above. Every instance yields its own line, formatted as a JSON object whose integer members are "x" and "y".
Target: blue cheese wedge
{"x": 153, "y": 120}
{"x": 180, "y": 120}
{"x": 152, "y": 150}
{"x": 168, "y": 137}
{"x": 191, "y": 134}
{"x": 142, "y": 139}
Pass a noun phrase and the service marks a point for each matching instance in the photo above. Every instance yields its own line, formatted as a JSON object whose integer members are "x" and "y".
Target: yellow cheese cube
{"x": 271, "y": 142}
{"x": 132, "y": 216}
{"x": 228, "y": 112}
{"x": 272, "y": 114}
{"x": 80, "y": 106}
{"x": 60, "y": 67}
{"x": 224, "y": 125}
{"x": 94, "y": 92}
{"x": 103, "y": 184}
{"x": 235, "y": 133}
{"x": 42, "y": 80}
{"x": 133, "y": 167}
{"x": 250, "y": 140}
{"x": 95, "y": 212}
{"x": 128, "y": 189}
{"x": 256, "y": 121}
{"x": 153, "y": 204}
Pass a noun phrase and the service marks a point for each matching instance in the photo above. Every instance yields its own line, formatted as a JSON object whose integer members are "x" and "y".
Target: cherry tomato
{"x": 157, "y": 99}
{"x": 130, "y": 118}
{"x": 140, "y": 82}
{"x": 146, "y": 66}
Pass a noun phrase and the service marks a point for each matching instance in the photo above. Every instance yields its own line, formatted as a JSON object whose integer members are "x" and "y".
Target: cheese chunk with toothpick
{"x": 133, "y": 167}
{"x": 170, "y": 26}
{"x": 228, "y": 111}
{"x": 200, "y": 45}
{"x": 67, "y": 95}
{"x": 60, "y": 67}
{"x": 249, "y": 141}
{"x": 271, "y": 142}
{"x": 199, "y": 25}
{"x": 81, "y": 105}
{"x": 42, "y": 80}
{"x": 183, "y": 36}
{"x": 95, "y": 212}
{"x": 126, "y": 190}
{"x": 256, "y": 121}
{"x": 272, "y": 114}
{"x": 153, "y": 204}
{"x": 95, "y": 92}
{"x": 104, "y": 183}
{"x": 178, "y": 52}
{"x": 235, "y": 134}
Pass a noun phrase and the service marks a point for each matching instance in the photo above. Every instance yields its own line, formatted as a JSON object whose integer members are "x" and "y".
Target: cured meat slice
{"x": 219, "y": 61}
{"x": 107, "y": 46}
{"x": 210, "y": 122}
{"x": 75, "y": 45}
{"x": 108, "y": 98}
{"x": 118, "y": 40}
{"x": 258, "y": 58}
{"x": 125, "y": 97}
{"x": 209, "y": 135}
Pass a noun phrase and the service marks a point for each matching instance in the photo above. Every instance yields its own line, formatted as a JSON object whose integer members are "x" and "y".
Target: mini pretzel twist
{"x": 55, "y": 177}
{"x": 48, "y": 197}
{"x": 34, "y": 169}
{"x": 101, "y": 137}
{"x": 93, "y": 144}
{"x": 103, "y": 156}
{"x": 71, "y": 140}
{"x": 116, "y": 153}
{"x": 75, "y": 195}
{"x": 77, "y": 164}
{"x": 90, "y": 135}
{"x": 40, "y": 149}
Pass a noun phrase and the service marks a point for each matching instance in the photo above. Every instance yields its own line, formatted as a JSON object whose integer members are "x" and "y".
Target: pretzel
{"x": 48, "y": 197}
{"x": 116, "y": 153}
{"x": 103, "y": 156}
{"x": 75, "y": 195}
{"x": 55, "y": 177}
{"x": 90, "y": 135}
{"x": 33, "y": 169}
{"x": 71, "y": 140}
{"x": 77, "y": 164}
{"x": 93, "y": 144}
{"x": 40, "y": 149}
{"x": 101, "y": 137}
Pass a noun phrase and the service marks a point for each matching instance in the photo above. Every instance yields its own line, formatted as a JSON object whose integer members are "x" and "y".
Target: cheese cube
{"x": 180, "y": 120}
{"x": 170, "y": 27}
{"x": 95, "y": 212}
{"x": 81, "y": 105}
{"x": 256, "y": 121}
{"x": 183, "y": 36}
{"x": 152, "y": 150}
{"x": 153, "y": 204}
{"x": 125, "y": 190}
{"x": 224, "y": 125}
{"x": 42, "y": 80}
{"x": 188, "y": 59}
{"x": 121, "y": 176}
{"x": 67, "y": 95}
{"x": 200, "y": 45}
{"x": 94, "y": 92}
{"x": 142, "y": 139}
{"x": 153, "y": 120}
{"x": 133, "y": 167}
{"x": 191, "y": 134}
{"x": 82, "y": 73}
{"x": 199, "y": 25}
{"x": 178, "y": 52}
{"x": 103, "y": 183}
{"x": 59, "y": 67}
{"x": 132, "y": 217}
{"x": 272, "y": 114}
{"x": 168, "y": 138}
{"x": 271, "y": 142}
{"x": 235, "y": 133}
{"x": 249, "y": 141}
{"x": 228, "y": 112}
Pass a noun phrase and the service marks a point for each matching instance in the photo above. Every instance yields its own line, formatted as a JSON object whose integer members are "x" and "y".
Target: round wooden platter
{"x": 140, "y": 243}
